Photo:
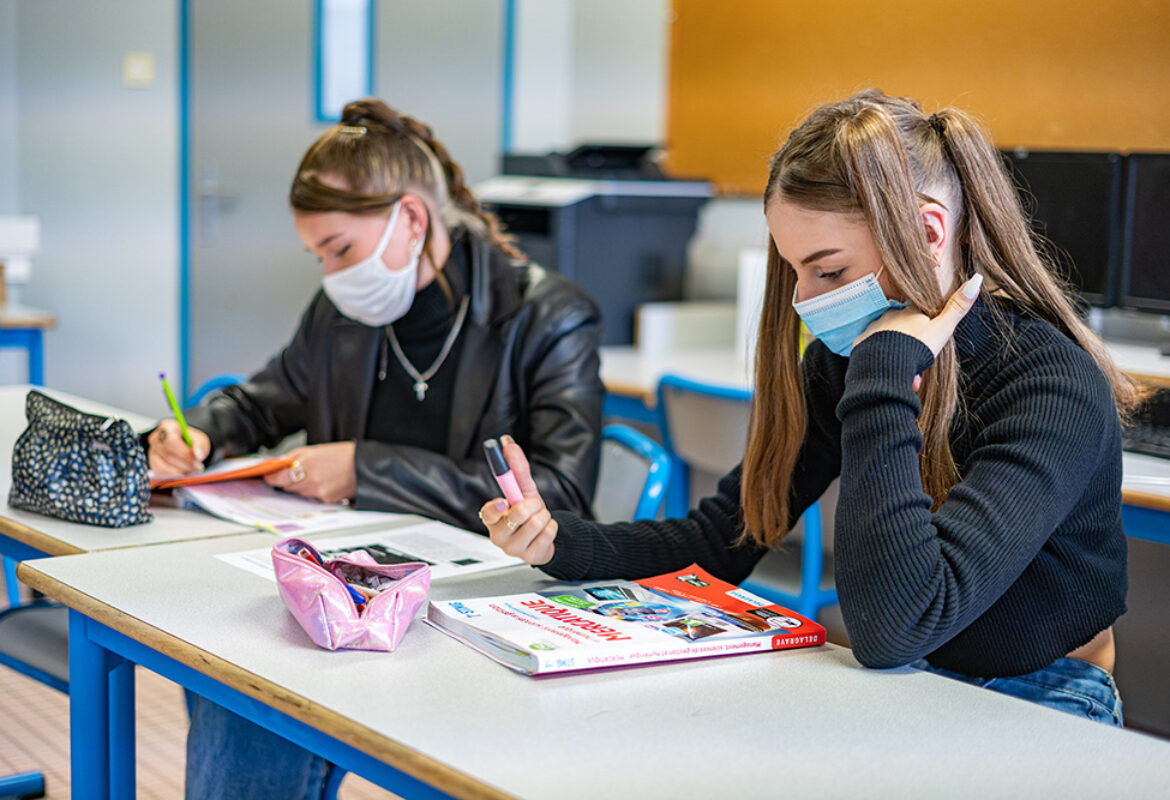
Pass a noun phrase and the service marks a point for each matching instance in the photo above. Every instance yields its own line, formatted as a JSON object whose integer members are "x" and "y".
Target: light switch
{"x": 138, "y": 70}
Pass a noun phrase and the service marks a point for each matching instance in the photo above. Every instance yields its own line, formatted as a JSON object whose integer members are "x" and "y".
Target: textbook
{"x": 230, "y": 469}
{"x": 684, "y": 614}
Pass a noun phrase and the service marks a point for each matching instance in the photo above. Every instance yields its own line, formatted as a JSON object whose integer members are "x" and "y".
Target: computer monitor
{"x": 1145, "y": 266}
{"x": 1075, "y": 203}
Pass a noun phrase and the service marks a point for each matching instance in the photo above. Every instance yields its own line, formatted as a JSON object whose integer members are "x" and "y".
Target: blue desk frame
{"x": 101, "y": 716}
{"x": 1142, "y": 522}
{"x": 32, "y": 340}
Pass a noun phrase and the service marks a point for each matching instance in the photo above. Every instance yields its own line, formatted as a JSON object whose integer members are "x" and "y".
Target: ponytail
{"x": 997, "y": 241}
{"x": 379, "y": 155}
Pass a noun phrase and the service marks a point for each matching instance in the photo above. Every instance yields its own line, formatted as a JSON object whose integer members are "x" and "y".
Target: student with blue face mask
{"x": 971, "y": 416}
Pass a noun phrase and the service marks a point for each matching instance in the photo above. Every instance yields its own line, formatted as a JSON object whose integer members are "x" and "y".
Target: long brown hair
{"x": 379, "y": 155}
{"x": 880, "y": 158}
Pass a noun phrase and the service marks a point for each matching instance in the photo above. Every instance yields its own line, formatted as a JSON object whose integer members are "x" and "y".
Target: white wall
{"x": 596, "y": 71}
{"x": 442, "y": 61}
{"x": 726, "y": 226}
{"x": 589, "y": 70}
{"x": 9, "y": 202}
{"x": 98, "y": 165}
{"x": 13, "y": 367}
{"x": 542, "y": 89}
{"x": 620, "y": 56}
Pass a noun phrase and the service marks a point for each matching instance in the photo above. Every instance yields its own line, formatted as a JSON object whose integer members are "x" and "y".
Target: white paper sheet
{"x": 253, "y": 502}
{"x": 450, "y": 551}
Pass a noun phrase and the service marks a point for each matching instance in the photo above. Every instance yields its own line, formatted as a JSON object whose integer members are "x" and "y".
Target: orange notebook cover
{"x": 230, "y": 469}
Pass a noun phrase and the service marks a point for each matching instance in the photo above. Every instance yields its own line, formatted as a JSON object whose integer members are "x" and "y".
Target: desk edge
{"x": 429, "y": 770}
{"x": 35, "y": 539}
{"x": 1158, "y": 502}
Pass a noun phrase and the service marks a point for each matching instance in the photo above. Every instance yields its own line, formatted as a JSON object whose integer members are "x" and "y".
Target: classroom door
{"x": 250, "y": 121}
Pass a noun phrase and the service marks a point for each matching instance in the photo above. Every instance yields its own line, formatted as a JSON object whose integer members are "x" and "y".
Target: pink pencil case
{"x": 321, "y": 594}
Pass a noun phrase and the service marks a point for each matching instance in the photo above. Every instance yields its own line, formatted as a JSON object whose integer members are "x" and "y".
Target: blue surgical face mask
{"x": 840, "y": 316}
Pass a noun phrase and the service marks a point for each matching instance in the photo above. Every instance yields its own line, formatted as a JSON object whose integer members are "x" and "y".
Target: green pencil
{"x": 178, "y": 412}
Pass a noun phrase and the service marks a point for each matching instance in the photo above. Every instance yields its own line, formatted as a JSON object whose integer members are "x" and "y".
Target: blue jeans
{"x": 229, "y": 757}
{"x": 1067, "y": 684}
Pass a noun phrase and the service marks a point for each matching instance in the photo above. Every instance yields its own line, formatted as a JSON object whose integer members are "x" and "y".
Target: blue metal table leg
{"x": 36, "y": 358}
{"x": 32, "y": 341}
{"x": 812, "y": 562}
{"x": 89, "y": 712}
{"x": 24, "y": 784}
{"x": 11, "y": 585}
{"x": 123, "y": 749}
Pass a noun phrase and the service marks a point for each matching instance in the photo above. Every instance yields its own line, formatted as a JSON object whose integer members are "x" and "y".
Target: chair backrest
{"x": 634, "y": 473}
{"x": 703, "y": 424}
{"x": 213, "y": 383}
{"x": 704, "y": 427}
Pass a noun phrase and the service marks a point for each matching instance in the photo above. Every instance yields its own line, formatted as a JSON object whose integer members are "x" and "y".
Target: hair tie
{"x": 937, "y": 125}
{"x": 352, "y": 125}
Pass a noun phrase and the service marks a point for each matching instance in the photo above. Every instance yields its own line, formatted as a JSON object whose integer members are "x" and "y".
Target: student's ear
{"x": 936, "y": 221}
{"x": 417, "y": 214}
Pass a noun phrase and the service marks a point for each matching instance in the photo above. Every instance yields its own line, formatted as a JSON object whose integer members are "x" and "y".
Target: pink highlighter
{"x": 502, "y": 472}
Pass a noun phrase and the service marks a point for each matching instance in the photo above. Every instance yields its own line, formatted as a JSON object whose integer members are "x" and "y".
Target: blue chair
{"x": 215, "y": 383}
{"x": 629, "y": 459}
{"x": 704, "y": 429}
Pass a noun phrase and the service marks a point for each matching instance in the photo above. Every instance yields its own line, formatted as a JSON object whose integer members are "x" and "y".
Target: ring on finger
{"x": 511, "y": 525}
{"x": 296, "y": 472}
{"x": 481, "y": 519}
{"x": 162, "y": 435}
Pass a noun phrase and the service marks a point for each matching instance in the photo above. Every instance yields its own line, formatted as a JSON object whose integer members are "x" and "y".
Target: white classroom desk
{"x": 628, "y": 371}
{"x": 27, "y": 535}
{"x": 634, "y": 375}
{"x": 803, "y": 723}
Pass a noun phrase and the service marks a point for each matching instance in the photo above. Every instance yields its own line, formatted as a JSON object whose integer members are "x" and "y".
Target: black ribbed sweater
{"x": 1024, "y": 562}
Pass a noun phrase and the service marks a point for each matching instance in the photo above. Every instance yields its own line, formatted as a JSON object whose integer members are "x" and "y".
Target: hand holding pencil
{"x": 175, "y": 448}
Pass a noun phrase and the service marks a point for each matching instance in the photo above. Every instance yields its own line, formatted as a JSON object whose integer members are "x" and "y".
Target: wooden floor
{"x": 34, "y": 736}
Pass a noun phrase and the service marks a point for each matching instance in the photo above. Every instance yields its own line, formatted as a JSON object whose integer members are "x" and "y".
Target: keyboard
{"x": 1150, "y": 432}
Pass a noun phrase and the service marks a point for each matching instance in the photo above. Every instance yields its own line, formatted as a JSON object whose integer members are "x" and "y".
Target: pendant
{"x": 420, "y": 390}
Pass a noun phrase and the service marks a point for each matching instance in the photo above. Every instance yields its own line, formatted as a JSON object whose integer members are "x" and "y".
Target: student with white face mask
{"x": 971, "y": 416}
{"x": 430, "y": 334}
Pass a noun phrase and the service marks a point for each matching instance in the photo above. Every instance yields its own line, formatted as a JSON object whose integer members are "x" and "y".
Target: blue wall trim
{"x": 371, "y": 34}
{"x": 319, "y": 111}
{"x": 184, "y": 197}
{"x": 318, "y": 13}
{"x": 506, "y": 84}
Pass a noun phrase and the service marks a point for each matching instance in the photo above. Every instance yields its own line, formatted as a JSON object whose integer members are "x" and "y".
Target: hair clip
{"x": 356, "y": 130}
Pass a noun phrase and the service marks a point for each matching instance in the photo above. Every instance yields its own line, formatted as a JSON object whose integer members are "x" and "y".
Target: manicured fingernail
{"x": 971, "y": 287}
{"x": 199, "y": 454}
{"x": 501, "y": 505}
{"x": 506, "y": 439}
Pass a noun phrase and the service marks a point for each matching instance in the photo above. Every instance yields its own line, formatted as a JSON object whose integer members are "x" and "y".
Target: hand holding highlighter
{"x": 502, "y": 472}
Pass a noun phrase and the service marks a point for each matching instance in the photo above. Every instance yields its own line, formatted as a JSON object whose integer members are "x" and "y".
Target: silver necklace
{"x": 421, "y": 378}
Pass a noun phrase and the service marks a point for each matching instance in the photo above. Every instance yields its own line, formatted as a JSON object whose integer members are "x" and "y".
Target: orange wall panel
{"x": 1042, "y": 74}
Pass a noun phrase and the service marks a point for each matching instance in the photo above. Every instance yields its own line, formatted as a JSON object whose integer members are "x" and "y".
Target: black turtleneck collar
{"x": 432, "y": 312}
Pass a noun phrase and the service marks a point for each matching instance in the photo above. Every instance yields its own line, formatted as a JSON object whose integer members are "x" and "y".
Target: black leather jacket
{"x": 528, "y": 366}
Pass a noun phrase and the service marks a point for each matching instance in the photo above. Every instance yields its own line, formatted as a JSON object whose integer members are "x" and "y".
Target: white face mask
{"x": 371, "y": 293}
